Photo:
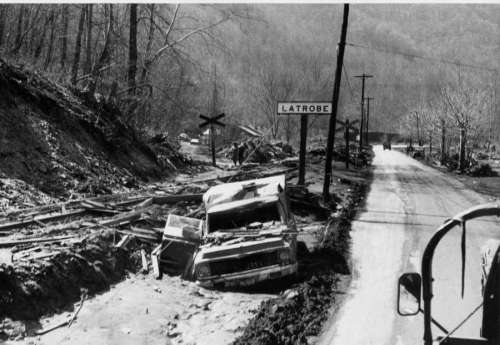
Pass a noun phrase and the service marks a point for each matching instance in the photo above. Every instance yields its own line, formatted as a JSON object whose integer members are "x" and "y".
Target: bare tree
{"x": 53, "y": 24}
{"x": 132, "y": 50}
{"x": 87, "y": 66}
{"x": 64, "y": 34}
{"x": 78, "y": 46}
{"x": 465, "y": 106}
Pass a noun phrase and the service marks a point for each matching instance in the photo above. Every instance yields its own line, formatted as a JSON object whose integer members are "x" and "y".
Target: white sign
{"x": 299, "y": 108}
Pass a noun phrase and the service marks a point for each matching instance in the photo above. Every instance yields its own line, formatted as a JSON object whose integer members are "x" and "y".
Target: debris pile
{"x": 259, "y": 150}
{"x": 168, "y": 153}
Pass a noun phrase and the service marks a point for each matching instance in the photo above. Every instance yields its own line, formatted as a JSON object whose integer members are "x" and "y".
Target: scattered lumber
{"x": 42, "y": 218}
{"x": 6, "y": 244}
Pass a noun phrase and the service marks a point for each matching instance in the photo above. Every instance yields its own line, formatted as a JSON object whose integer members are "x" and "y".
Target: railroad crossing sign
{"x": 212, "y": 121}
{"x": 342, "y": 125}
{"x": 347, "y": 127}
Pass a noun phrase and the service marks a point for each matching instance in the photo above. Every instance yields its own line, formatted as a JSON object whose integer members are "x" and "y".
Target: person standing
{"x": 235, "y": 154}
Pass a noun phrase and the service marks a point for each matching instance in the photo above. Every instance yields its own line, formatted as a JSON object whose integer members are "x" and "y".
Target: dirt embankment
{"x": 61, "y": 143}
{"x": 297, "y": 315}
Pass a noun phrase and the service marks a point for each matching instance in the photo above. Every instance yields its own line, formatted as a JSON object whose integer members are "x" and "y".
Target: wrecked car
{"x": 248, "y": 235}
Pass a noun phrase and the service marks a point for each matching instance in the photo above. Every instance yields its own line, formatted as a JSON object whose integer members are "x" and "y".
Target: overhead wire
{"x": 422, "y": 57}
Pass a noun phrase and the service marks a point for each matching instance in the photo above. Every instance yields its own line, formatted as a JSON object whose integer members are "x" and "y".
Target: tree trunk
{"x": 48, "y": 58}
{"x": 41, "y": 41}
{"x": 147, "y": 54}
{"x": 105, "y": 55}
{"x": 461, "y": 157}
{"x": 19, "y": 29}
{"x": 87, "y": 67}
{"x": 3, "y": 12}
{"x": 430, "y": 145}
{"x": 443, "y": 142}
{"x": 78, "y": 46}
{"x": 64, "y": 36}
{"x": 132, "y": 49}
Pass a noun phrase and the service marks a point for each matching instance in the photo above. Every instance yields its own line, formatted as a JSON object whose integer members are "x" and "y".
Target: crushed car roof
{"x": 250, "y": 189}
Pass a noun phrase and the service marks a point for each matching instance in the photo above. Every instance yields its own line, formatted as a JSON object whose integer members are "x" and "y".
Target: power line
{"x": 415, "y": 56}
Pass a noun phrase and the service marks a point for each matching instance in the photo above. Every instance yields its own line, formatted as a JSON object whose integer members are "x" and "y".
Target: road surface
{"x": 406, "y": 204}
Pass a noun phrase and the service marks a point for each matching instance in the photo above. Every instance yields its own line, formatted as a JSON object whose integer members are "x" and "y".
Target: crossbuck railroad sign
{"x": 212, "y": 121}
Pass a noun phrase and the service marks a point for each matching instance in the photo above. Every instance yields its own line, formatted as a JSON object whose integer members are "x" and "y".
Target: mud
{"x": 32, "y": 289}
{"x": 296, "y": 316}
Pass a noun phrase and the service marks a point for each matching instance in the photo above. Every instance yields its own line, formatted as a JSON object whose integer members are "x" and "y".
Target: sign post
{"x": 303, "y": 109}
{"x": 211, "y": 121}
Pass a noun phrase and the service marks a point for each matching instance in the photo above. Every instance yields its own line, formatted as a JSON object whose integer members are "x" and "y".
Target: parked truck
{"x": 414, "y": 287}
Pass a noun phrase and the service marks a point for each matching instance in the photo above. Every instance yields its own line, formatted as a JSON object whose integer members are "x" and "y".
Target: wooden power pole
{"x": 362, "y": 122}
{"x": 368, "y": 99}
{"x": 335, "y": 101}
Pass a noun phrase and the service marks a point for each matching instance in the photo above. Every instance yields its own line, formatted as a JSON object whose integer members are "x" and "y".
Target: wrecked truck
{"x": 248, "y": 235}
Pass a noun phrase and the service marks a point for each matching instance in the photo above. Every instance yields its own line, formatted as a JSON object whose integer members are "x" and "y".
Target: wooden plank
{"x": 145, "y": 203}
{"x": 42, "y": 218}
{"x": 123, "y": 242}
{"x": 167, "y": 199}
{"x": 155, "y": 260}
{"x": 144, "y": 261}
{"x": 127, "y": 217}
{"x": 53, "y": 327}
{"x": 139, "y": 235}
{"x": 157, "y": 250}
{"x": 5, "y": 244}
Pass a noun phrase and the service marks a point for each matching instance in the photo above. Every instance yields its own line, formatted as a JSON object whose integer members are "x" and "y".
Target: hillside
{"x": 61, "y": 144}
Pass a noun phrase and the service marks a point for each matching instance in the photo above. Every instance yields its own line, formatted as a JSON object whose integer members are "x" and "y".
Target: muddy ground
{"x": 46, "y": 290}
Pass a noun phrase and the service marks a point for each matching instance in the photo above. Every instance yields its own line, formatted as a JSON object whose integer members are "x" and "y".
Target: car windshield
{"x": 238, "y": 218}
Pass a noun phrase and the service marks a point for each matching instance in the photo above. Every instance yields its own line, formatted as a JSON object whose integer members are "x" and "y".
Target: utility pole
{"x": 335, "y": 101}
{"x": 368, "y": 99}
{"x": 303, "y": 147}
{"x": 361, "y": 123}
{"x": 214, "y": 110}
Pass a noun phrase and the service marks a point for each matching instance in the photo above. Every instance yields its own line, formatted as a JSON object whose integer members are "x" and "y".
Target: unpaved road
{"x": 406, "y": 204}
{"x": 142, "y": 310}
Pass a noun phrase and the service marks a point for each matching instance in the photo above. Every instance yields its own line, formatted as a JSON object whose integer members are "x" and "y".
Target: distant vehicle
{"x": 184, "y": 137}
{"x": 387, "y": 145}
{"x": 195, "y": 142}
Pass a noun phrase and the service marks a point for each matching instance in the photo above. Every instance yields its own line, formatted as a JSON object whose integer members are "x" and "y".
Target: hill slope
{"x": 58, "y": 142}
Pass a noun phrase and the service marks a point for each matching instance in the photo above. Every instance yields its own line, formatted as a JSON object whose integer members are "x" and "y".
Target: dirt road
{"x": 406, "y": 204}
